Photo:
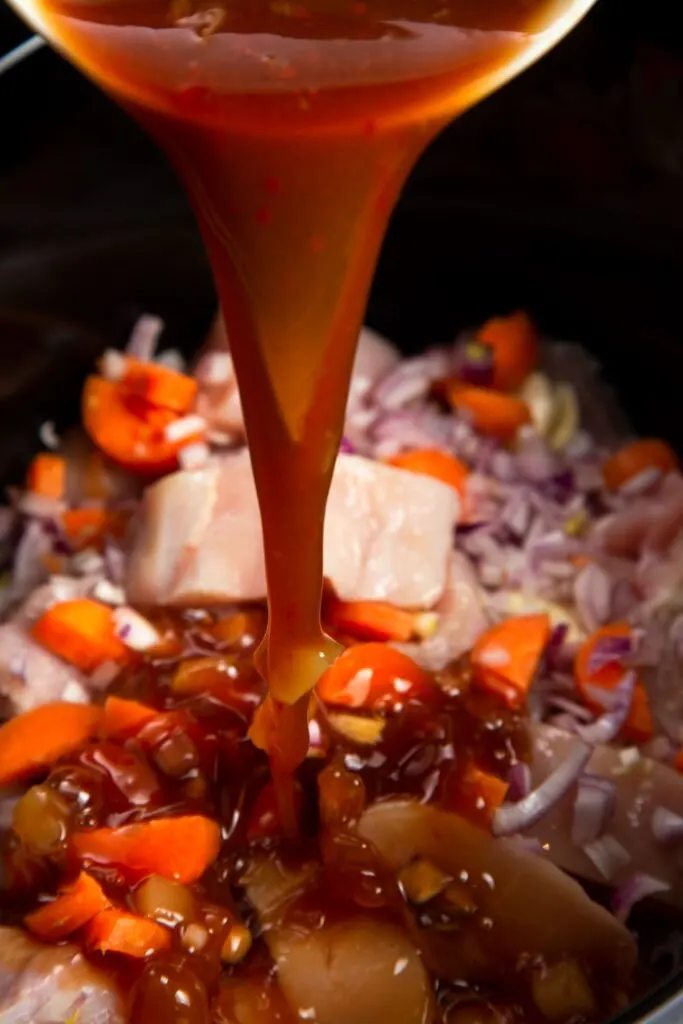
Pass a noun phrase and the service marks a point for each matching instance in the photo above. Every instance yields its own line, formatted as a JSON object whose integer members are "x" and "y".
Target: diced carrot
{"x": 124, "y": 718}
{"x": 432, "y": 462}
{"x": 118, "y": 931}
{"x": 377, "y": 620}
{"x": 484, "y": 788}
{"x": 90, "y": 527}
{"x": 160, "y": 385}
{"x": 636, "y": 457}
{"x": 678, "y": 761}
{"x": 81, "y": 632}
{"x": 514, "y": 341}
{"x": 506, "y": 657}
{"x": 372, "y": 675}
{"x": 492, "y": 412}
{"x": 76, "y": 904}
{"x": 177, "y": 848}
{"x": 47, "y": 476}
{"x": 34, "y": 741}
{"x": 639, "y": 725}
{"x": 134, "y": 435}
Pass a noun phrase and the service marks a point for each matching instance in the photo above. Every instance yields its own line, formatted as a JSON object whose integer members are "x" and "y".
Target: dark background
{"x": 561, "y": 194}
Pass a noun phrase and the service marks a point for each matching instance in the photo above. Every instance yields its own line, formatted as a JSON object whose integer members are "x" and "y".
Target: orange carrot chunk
{"x": 90, "y": 527}
{"x": 435, "y": 463}
{"x": 132, "y": 433}
{"x": 81, "y": 632}
{"x": 485, "y": 791}
{"x": 117, "y": 931}
{"x": 160, "y": 385}
{"x": 377, "y": 620}
{"x": 639, "y": 726}
{"x": 635, "y": 458}
{"x": 123, "y": 718}
{"x": 177, "y": 848}
{"x": 492, "y": 413}
{"x": 372, "y": 675}
{"x": 37, "y": 739}
{"x": 514, "y": 342}
{"x": 76, "y": 904}
{"x": 47, "y": 476}
{"x": 505, "y": 658}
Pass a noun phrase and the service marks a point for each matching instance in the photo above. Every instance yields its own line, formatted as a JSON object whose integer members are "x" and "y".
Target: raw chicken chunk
{"x": 30, "y": 675}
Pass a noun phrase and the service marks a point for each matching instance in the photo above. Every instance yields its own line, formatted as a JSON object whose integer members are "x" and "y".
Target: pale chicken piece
{"x": 462, "y": 618}
{"x": 58, "y": 588}
{"x": 641, "y": 785}
{"x": 198, "y": 540}
{"x": 53, "y": 985}
{"x": 354, "y": 971}
{"x": 30, "y": 675}
{"x": 519, "y": 896}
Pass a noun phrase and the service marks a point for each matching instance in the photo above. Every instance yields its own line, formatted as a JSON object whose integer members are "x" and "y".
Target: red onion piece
{"x": 144, "y": 337}
{"x": 667, "y": 826}
{"x": 134, "y": 630}
{"x": 512, "y": 818}
{"x": 608, "y": 651}
{"x": 519, "y": 782}
{"x": 609, "y": 725}
{"x": 345, "y": 447}
{"x": 593, "y": 807}
{"x": 608, "y": 856}
{"x": 593, "y": 596}
{"x": 637, "y": 888}
{"x": 473, "y": 363}
{"x": 412, "y": 379}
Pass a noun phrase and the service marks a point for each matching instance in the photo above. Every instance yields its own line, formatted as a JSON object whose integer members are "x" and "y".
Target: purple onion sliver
{"x": 593, "y": 808}
{"x": 667, "y": 826}
{"x": 593, "y": 596}
{"x": 609, "y": 650}
{"x": 519, "y": 782}
{"x": 609, "y": 725}
{"x": 345, "y": 447}
{"x": 635, "y": 889}
{"x": 473, "y": 364}
{"x": 512, "y": 818}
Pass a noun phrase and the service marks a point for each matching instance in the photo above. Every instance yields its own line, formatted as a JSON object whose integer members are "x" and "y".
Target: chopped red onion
{"x": 519, "y": 782}
{"x": 516, "y": 817}
{"x": 144, "y": 337}
{"x": 593, "y": 807}
{"x": 345, "y": 447}
{"x": 215, "y": 369}
{"x": 608, "y": 856}
{"x": 635, "y": 889}
{"x": 48, "y": 435}
{"x": 115, "y": 561}
{"x": 473, "y": 363}
{"x": 113, "y": 365}
{"x": 37, "y": 506}
{"x": 667, "y": 826}
{"x": 411, "y": 379}
{"x": 609, "y": 650}
{"x": 641, "y": 483}
{"x": 534, "y": 459}
{"x": 593, "y": 596}
{"x": 186, "y": 426}
{"x": 609, "y": 725}
{"x": 134, "y": 630}
{"x": 579, "y": 712}
{"x": 193, "y": 456}
{"x": 516, "y": 514}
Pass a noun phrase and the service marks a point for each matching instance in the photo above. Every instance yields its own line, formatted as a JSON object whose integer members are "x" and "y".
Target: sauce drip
{"x": 293, "y": 126}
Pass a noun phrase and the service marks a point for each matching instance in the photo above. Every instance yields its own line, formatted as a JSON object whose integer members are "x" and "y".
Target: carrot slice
{"x": 484, "y": 791}
{"x": 47, "y": 476}
{"x": 639, "y": 725}
{"x": 636, "y": 457}
{"x": 377, "y": 620}
{"x": 177, "y": 848}
{"x": 492, "y": 413}
{"x": 435, "y": 463}
{"x": 76, "y": 904}
{"x": 372, "y": 675}
{"x": 514, "y": 341}
{"x": 160, "y": 385}
{"x": 81, "y": 632}
{"x": 90, "y": 527}
{"x": 505, "y": 658}
{"x": 132, "y": 435}
{"x": 37, "y": 739}
{"x": 124, "y": 718}
{"x": 117, "y": 931}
